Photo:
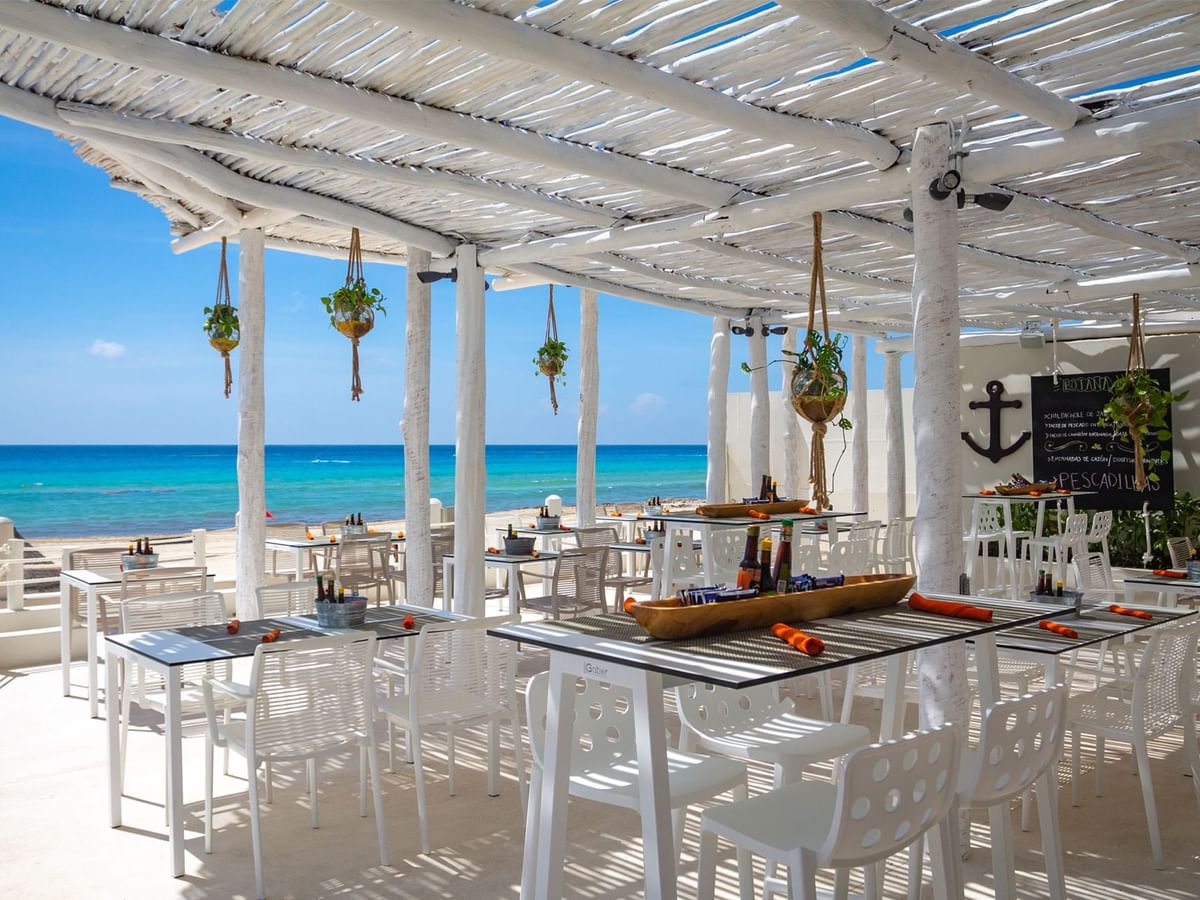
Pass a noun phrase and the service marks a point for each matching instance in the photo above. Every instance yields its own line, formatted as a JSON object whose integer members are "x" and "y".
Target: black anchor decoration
{"x": 994, "y": 405}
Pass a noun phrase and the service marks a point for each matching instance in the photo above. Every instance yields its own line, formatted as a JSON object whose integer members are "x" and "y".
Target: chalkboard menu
{"x": 1070, "y": 445}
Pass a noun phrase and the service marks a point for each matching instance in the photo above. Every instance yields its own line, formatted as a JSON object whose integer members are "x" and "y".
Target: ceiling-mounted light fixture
{"x": 1032, "y": 337}
{"x": 993, "y": 200}
{"x": 452, "y": 276}
{"x": 908, "y": 216}
{"x": 777, "y": 329}
{"x": 947, "y": 184}
{"x": 747, "y": 330}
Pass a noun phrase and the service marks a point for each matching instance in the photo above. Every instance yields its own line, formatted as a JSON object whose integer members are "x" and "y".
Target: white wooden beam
{"x": 912, "y": 49}
{"x": 795, "y": 445}
{"x": 894, "y": 429}
{"x": 500, "y": 36}
{"x": 155, "y": 195}
{"x": 470, "y": 474}
{"x": 223, "y": 228}
{"x": 716, "y": 480}
{"x": 156, "y": 53}
{"x": 760, "y": 404}
{"x": 589, "y": 410}
{"x": 860, "y": 500}
{"x": 418, "y": 553}
{"x": 252, "y": 504}
{"x": 1118, "y": 135}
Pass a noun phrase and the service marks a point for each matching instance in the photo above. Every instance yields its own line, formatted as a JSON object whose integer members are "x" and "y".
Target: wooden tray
{"x": 668, "y": 620}
{"x": 1042, "y": 487}
{"x": 733, "y": 510}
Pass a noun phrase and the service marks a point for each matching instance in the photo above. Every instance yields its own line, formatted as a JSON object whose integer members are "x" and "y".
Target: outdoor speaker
{"x": 1031, "y": 337}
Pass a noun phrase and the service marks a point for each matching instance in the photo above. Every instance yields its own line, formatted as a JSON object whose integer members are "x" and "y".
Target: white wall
{"x": 741, "y": 484}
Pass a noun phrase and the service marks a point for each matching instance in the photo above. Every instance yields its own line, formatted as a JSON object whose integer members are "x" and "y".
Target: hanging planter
{"x": 221, "y": 321}
{"x": 551, "y": 359}
{"x": 1138, "y": 405}
{"x": 352, "y": 308}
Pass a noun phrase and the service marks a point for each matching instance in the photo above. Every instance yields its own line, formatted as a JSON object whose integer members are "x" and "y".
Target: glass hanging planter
{"x": 352, "y": 308}
{"x": 221, "y": 323}
{"x": 551, "y": 358}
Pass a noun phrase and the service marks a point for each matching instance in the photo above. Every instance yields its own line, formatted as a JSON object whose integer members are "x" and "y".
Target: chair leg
{"x": 377, "y": 799}
{"x": 255, "y": 826}
{"x": 871, "y": 880}
{"x": 124, "y": 706}
{"x": 1192, "y": 749}
{"x": 1099, "y": 766}
{"x": 519, "y": 760}
{"x": 1026, "y": 803}
{"x": 208, "y": 793}
{"x": 678, "y": 827}
{"x": 529, "y": 862}
{"x": 825, "y": 687}
{"x": 362, "y": 780}
{"x": 841, "y": 884}
{"x": 269, "y": 793}
{"x": 1074, "y": 766}
{"x": 1143, "y": 761}
{"x": 803, "y": 865}
{"x": 916, "y": 868}
{"x": 450, "y": 761}
{"x": 419, "y": 774}
{"x": 848, "y": 693}
{"x": 493, "y": 788}
{"x": 313, "y": 812}
{"x": 1047, "y": 802}
{"x": 707, "y": 876}
{"x": 944, "y": 857}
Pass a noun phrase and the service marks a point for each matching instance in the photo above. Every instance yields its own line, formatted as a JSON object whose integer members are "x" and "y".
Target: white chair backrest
{"x": 603, "y": 722}
{"x": 458, "y": 669}
{"x": 93, "y": 558}
{"x": 806, "y": 559}
{"x": 1020, "y": 739}
{"x": 726, "y": 546}
{"x": 716, "y": 711}
{"x": 1101, "y": 526}
{"x": 890, "y": 794}
{"x": 359, "y": 556}
{"x": 1167, "y": 663}
{"x": 163, "y": 580}
{"x": 291, "y": 598}
{"x": 286, "y": 530}
{"x": 867, "y": 530}
{"x": 1180, "y": 549}
{"x": 600, "y": 536}
{"x": 1075, "y": 531}
{"x": 332, "y": 526}
{"x": 579, "y": 574}
{"x": 988, "y": 518}
{"x": 898, "y": 542}
{"x": 849, "y": 557}
{"x": 681, "y": 557}
{"x": 1092, "y": 572}
{"x": 160, "y": 611}
{"x": 310, "y": 694}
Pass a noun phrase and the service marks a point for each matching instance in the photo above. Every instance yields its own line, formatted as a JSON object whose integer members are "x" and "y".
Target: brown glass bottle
{"x": 749, "y": 569}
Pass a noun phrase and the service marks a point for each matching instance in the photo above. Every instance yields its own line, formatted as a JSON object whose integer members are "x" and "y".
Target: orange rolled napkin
{"x": 628, "y": 605}
{"x": 757, "y": 514}
{"x": 1126, "y": 611}
{"x": 1169, "y": 573}
{"x": 1058, "y": 629}
{"x": 796, "y": 638}
{"x": 948, "y": 608}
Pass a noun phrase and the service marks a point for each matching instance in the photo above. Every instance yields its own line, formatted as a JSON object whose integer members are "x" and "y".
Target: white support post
{"x": 200, "y": 548}
{"x": 6, "y": 535}
{"x": 795, "y": 445}
{"x": 589, "y": 407}
{"x": 893, "y": 426}
{"x": 470, "y": 476}
{"x": 252, "y": 504}
{"x": 716, "y": 483}
{"x": 860, "y": 500}
{"x": 760, "y": 405}
{"x": 15, "y": 573}
{"x": 418, "y": 547}
{"x": 942, "y": 670}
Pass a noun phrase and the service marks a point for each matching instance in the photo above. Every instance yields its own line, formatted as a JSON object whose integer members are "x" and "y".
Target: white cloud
{"x": 646, "y": 404}
{"x": 107, "y": 349}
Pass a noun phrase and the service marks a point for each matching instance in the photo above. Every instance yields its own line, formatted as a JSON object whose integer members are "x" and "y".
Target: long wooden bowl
{"x": 668, "y": 620}
{"x": 1011, "y": 490}
{"x": 732, "y": 510}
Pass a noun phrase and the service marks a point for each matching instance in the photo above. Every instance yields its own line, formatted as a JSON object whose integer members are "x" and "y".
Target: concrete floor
{"x": 55, "y": 841}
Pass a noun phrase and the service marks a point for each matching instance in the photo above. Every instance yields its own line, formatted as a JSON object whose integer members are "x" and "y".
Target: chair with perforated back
{"x": 603, "y": 762}
{"x": 306, "y": 700}
{"x": 1101, "y": 527}
{"x": 291, "y": 598}
{"x": 887, "y": 797}
{"x": 361, "y": 562}
{"x": 1053, "y": 552}
{"x": 1135, "y": 710}
{"x": 725, "y": 549}
{"x": 577, "y": 584}
{"x": 849, "y": 558}
{"x": 987, "y": 529}
{"x": 807, "y": 559}
{"x": 459, "y": 678}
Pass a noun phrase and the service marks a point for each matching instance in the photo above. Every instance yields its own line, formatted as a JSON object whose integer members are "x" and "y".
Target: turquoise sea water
{"x": 122, "y": 490}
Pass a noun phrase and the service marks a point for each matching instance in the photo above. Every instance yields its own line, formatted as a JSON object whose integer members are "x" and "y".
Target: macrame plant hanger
{"x": 353, "y": 328}
{"x": 1136, "y": 362}
{"x": 551, "y": 372}
{"x": 222, "y": 343}
{"x": 816, "y": 476}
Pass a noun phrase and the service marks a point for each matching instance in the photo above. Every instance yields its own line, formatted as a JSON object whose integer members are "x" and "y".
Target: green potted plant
{"x": 818, "y": 389}
{"x": 1137, "y": 407}
{"x": 551, "y": 358}
{"x": 352, "y": 308}
{"x": 221, "y": 320}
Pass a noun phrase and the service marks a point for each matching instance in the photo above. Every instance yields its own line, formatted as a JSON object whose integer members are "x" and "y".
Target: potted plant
{"x": 352, "y": 308}
{"x": 818, "y": 389}
{"x": 221, "y": 320}
{"x": 551, "y": 358}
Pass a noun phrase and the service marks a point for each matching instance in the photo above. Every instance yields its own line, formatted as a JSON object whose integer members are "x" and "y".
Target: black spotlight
{"x": 742, "y": 329}
{"x": 908, "y": 216}
{"x": 941, "y": 188}
{"x": 994, "y": 200}
{"x": 431, "y": 277}
{"x": 778, "y": 329}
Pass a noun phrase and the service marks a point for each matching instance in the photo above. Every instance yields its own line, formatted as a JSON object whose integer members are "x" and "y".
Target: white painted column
{"x": 717, "y": 480}
{"x": 470, "y": 475}
{"x": 418, "y": 551}
{"x": 760, "y": 406}
{"x": 942, "y": 679}
{"x": 893, "y": 426}
{"x": 795, "y": 445}
{"x": 859, "y": 474}
{"x": 252, "y": 503}
{"x": 589, "y": 408}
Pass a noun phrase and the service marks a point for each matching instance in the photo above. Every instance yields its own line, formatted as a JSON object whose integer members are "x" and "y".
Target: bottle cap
{"x": 766, "y": 544}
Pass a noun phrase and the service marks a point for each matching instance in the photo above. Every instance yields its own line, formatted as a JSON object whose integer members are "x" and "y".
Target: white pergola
{"x": 667, "y": 151}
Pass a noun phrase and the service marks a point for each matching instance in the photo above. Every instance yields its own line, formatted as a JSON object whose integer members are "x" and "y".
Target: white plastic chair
{"x": 92, "y": 558}
{"x": 458, "y": 678}
{"x": 306, "y": 699}
{"x": 897, "y": 554}
{"x": 677, "y": 563}
{"x": 807, "y": 559}
{"x": 1102, "y": 522}
{"x": 1052, "y": 552}
{"x": 726, "y": 546}
{"x": 887, "y": 797}
{"x": 1135, "y": 710}
{"x": 866, "y": 532}
{"x": 849, "y": 558}
{"x": 987, "y": 529}
{"x": 291, "y": 598}
{"x": 604, "y": 757}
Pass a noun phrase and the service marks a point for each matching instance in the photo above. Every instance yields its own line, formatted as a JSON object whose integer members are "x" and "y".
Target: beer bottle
{"x": 320, "y": 587}
{"x": 764, "y": 488}
{"x": 341, "y": 598}
{"x": 748, "y": 568}
{"x": 774, "y": 491}
{"x": 783, "y": 559}
{"x": 766, "y": 579}
{"x": 149, "y": 549}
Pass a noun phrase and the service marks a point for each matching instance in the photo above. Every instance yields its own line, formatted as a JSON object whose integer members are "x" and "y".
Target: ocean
{"x": 77, "y": 490}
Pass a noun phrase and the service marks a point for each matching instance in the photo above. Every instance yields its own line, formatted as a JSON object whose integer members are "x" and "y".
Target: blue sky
{"x": 103, "y": 342}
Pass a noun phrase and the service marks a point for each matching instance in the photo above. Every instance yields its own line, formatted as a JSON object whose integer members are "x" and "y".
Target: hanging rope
{"x": 816, "y": 476}
{"x": 224, "y": 344}
{"x": 1136, "y": 361}
{"x": 551, "y": 334}
{"x": 355, "y": 276}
